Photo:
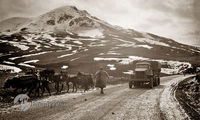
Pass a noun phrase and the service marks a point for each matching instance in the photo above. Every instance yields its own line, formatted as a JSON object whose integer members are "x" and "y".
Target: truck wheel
{"x": 156, "y": 84}
{"x": 151, "y": 83}
{"x": 138, "y": 84}
{"x": 130, "y": 85}
{"x": 135, "y": 84}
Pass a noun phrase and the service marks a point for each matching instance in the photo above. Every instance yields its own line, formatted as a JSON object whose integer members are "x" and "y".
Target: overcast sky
{"x": 176, "y": 19}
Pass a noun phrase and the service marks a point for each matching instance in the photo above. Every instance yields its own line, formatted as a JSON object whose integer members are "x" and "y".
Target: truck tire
{"x": 159, "y": 81}
{"x": 156, "y": 82}
{"x": 151, "y": 83}
{"x": 130, "y": 85}
{"x": 138, "y": 84}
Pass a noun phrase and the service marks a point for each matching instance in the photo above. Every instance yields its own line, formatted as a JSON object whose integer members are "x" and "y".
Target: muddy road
{"x": 118, "y": 103}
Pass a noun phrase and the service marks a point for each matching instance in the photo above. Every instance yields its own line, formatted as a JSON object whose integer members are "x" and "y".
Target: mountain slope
{"x": 70, "y": 37}
{"x": 13, "y": 24}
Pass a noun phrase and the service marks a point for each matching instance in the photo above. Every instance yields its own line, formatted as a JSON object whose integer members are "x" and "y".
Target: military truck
{"x": 146, "y": 72}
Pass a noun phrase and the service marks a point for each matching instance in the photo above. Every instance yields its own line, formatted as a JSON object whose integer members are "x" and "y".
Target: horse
{"x": 28, "y": 82}
{"x": 73, "y": 80}
{"x": 45, "y": 77}
{"x": 59, "y": 79}
{"x": 85, "y": 80}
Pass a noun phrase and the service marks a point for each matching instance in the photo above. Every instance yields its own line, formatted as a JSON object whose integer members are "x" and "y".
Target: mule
{"x": 74, "y": 81}
{"x": 86, "y": 80}
{"x": 45, "y": 77}
{"x": 28, "y": 82}
{"x": 59, "y": 79}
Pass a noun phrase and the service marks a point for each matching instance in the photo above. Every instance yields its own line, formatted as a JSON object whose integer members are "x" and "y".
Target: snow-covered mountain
{"x": 71, "y": 37}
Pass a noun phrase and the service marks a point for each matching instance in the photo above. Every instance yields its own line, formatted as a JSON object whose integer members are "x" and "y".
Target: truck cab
{"x": 143, "y": 70}
{"x": 146, "y": 72}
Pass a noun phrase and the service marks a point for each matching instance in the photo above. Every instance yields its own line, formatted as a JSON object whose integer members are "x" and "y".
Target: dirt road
{"x": 118, "y": 103}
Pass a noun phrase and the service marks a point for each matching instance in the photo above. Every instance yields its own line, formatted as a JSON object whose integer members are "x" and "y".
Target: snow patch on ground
{"x": 94, "y": 33}
{"x": 70, "y": 54}
{"x": 64, "y": 67}
{"x": 12, "y": 68}
{"x": 81, "y": 39}
{"x": 26, "y": 65}
{"x": 121, "y": 60}
{"x": 111, "y": 67}
{"x": 113, "y": 53}
{"x": 30, "y": 37}
{"x": 174, "y": 66}
{"x": 31, "y": 61}
{"x": 129, "y": 72}
{"x": 169, "y": 71}
{"x": 78, "y": 42}
{"x": 7, "y": 62}
{"x": 19, "y": 45}
{"x": 151, "y": 41}
{"x": 29, "y": 55}
{"x": 75, "y": 59}
{"x": 65, "y": 55}
{"x": 145, "y": 46}
{"x": 126, "y": 45}
{"x": 125, "y": 41}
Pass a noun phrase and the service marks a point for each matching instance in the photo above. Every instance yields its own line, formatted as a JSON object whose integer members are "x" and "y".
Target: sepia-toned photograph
{"x": 99, "y": 60}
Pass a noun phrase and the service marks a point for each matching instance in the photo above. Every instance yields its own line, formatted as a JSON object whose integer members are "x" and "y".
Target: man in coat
{"x": 101, "y": 77}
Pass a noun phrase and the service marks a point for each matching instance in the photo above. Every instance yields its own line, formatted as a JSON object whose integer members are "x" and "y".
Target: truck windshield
{"x": 142, "y": 66}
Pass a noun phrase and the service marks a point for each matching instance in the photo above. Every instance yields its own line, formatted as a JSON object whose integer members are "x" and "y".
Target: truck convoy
{"x": 146, "y": 72}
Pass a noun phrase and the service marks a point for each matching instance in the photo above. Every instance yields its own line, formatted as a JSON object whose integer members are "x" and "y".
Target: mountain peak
{"x": 69, "y": 10}
{"x": 63, "y": 19}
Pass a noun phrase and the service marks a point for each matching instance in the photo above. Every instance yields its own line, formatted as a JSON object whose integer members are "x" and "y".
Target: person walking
{"x": 101, "y": 77}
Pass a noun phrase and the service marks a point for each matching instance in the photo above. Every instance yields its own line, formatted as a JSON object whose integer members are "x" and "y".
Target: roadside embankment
{"x": 169, "y": 105}
{"x": 188, "y": 95}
